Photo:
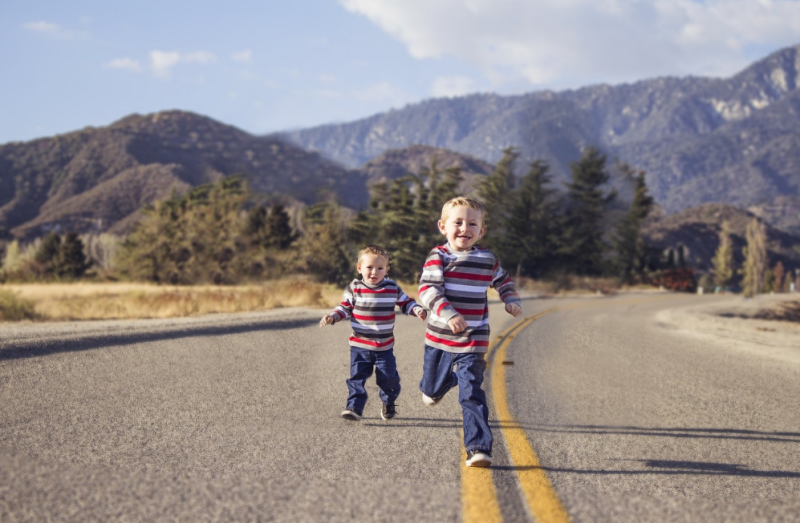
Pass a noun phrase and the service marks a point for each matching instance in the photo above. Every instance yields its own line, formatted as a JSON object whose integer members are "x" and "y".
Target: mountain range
{"x": 729, "y": 140}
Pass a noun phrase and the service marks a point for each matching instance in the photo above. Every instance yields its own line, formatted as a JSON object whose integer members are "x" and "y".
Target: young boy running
{"x": 453, "y": 287}
{"x": 369, "y": 303}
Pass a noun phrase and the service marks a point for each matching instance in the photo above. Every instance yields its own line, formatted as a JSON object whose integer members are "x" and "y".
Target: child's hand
{"x": 457, "y": 324}
{"x": 422, "y": 313}
{"x": 513, "y": 309}
{"x": 326, "y": 320}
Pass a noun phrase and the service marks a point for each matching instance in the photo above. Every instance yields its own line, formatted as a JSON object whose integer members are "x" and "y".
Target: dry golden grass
{"x": 89, "y": 301}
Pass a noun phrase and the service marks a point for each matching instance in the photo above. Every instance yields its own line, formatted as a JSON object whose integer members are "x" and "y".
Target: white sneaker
{"x": 351, "y": 415}
{"x": 478, "y": 458}
{"x": 427, "y": 400}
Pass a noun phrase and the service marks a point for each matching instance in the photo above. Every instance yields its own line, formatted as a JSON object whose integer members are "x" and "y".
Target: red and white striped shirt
{"x": 454, "y": 282}
{"x": 371, "y": 312}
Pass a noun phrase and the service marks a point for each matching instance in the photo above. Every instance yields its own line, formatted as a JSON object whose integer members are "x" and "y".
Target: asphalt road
{"x": 236, "y": 418}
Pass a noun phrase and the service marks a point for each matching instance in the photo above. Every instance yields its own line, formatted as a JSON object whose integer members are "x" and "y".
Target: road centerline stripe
{"x": 478, "y": 495}
{"x": 479, "y": 502}
{"x": 538, "y": 492}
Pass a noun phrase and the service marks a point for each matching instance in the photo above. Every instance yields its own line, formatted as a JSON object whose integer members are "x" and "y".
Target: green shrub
{"x": 14, "y": 308}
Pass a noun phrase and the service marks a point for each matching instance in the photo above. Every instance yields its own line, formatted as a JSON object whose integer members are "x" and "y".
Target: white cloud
{"x": 162, "y": 62}
{"x": 242, "y": 56}
{"x": 50, "y": 29}
{"x": 125, "y": 63}
{"x": 450, "y": 86}
{"x": 200, "y": 57}
{"x": 563, "y": 42}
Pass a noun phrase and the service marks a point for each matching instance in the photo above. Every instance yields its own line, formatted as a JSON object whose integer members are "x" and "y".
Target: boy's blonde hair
{"x": 376, "y": 250}
{"x": 463, "y": 201}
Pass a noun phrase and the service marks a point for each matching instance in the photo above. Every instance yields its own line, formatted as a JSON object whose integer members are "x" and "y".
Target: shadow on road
{"x": 10, "y": 350}
{"x": 682, "y": 432}
{"x": 423, "y": 423}
{"x": 672, "y": 468}
{"x": 665, "y": 467}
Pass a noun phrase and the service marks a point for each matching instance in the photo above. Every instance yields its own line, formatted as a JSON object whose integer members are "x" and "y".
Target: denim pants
{"x": 438, "y": 377}
{"x": 362, "y": 362}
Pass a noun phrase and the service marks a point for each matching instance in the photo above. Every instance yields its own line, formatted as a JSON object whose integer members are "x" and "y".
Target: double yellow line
{"x": 478, "y": 494}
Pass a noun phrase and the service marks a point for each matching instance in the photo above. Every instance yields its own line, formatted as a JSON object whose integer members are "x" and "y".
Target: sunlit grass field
{"x": 94, "y": 301}
{"x": 127, "y": 300}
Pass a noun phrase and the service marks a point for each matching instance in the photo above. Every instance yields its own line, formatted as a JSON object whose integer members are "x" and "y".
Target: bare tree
{"x": 723, "y": 258}
{"x": 755, "y": 258}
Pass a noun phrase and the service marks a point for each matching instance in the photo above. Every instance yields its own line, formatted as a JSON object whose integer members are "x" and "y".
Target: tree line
{"x": 222, "y": 233}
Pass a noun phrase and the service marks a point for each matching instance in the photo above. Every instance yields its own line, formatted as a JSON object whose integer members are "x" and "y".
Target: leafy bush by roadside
{"x": 14, "y": 308}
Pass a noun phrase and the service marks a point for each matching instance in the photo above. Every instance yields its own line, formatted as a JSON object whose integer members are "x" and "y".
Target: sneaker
{"x": 388, "y": 410}
{"x": 427, "y": 400}
{"x": 351, "y": 415}
{"x": 478, "y": 458}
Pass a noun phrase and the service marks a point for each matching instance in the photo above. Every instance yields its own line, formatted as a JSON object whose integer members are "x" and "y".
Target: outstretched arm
{"x": 507, "y": 291}
{"x": 341, "y": 311}
{"x": 409, "y": 306}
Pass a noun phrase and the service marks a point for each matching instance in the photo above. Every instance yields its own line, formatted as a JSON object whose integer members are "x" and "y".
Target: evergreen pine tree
{"x": 631, "y": 251}
{"x": 72, "y": 260}
{"x": 47, "y": 256}
{"x": 529, "y": 245}
{"x": 496, "y": 193}
{"x": 278, "y": 228}
{"x": 582, "y": 244}
{"x": 256, "y": 225}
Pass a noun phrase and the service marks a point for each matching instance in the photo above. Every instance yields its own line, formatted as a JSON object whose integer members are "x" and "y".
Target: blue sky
{"x": 271, "y": 65}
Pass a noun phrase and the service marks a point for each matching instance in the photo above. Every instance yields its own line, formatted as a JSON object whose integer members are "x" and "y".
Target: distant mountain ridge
{"x": 98, "y": 178}
{"x": 734, "y": 140}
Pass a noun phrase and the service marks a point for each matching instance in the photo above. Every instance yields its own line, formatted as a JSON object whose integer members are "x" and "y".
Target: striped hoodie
{"x": 453, "y": 283}
{"x": 371, "y": 312}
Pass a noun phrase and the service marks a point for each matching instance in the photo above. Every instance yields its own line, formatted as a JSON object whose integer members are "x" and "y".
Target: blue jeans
{"x": 362, "y": 362}
{"x": 438, "y": 377}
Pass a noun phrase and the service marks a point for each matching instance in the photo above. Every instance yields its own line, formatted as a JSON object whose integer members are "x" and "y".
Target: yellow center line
{"x": 537, "y": 489}
{"x": 478, "y": 493}
{"x": 478, "y": 496}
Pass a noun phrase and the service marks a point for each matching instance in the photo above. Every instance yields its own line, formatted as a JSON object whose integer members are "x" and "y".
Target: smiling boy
{"x": 453, "y": 286}
{"x": 370, "y": 303}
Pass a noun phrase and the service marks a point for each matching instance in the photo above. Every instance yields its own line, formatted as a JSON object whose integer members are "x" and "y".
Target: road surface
{"x": 601, "y": 411}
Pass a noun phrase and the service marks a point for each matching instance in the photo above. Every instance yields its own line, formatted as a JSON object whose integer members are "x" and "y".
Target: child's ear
{"x": 441, "y": 228}
{"x": 483, "y": 231}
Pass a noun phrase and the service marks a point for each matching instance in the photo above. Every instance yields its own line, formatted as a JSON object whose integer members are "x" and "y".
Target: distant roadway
{"x": 600, "y": 411}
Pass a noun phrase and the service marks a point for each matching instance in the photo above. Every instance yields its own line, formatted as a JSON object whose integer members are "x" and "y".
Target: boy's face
{"x": 463, "y": 227}
{"x": 373, "y": 268}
